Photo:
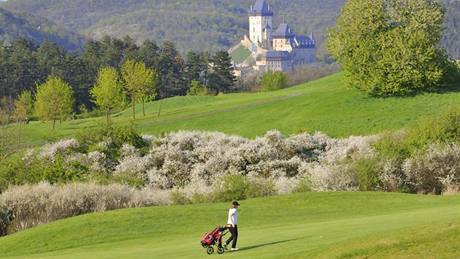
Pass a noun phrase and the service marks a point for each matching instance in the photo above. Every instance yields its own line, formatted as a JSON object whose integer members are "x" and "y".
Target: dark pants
{"x": 234, "y": 237}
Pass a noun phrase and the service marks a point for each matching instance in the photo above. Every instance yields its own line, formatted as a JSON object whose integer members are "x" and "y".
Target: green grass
{"x": 240, "y": 54}
{"x": 324, "y": 105}
{"x": 327, "y": 225}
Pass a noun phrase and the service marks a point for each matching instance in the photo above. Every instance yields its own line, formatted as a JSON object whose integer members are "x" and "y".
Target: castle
{"x": 266, "y": 49}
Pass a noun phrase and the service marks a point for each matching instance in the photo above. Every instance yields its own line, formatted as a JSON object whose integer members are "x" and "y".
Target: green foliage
{"x": 367, "y": 171}
{"x": 108, "y": 91}
{"x": 54, "y": 100}
{"x": 260, "y": 188}
{"x": 441, "y": 129}
{"x": 179, "y": 198}
{"x": 119, "y": 135}
{"x": 139, "y": 82}
{"x": 304, "y": 185}
{"x": 24, "y": 107}
{"x": 390, "y": 47}
{"x": 233, "y": 187}
{"x": 221, "y": 77}
{"x": 197, "y": 89}
{"x": 274, "y": 81}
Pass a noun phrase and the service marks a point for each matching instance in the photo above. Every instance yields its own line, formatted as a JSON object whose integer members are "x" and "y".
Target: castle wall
{"x": 256, "y": 28}
{"x": 282, "y": 45}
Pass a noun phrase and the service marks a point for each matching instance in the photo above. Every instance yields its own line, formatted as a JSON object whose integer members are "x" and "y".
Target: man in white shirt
{"x": 232, "y": 225}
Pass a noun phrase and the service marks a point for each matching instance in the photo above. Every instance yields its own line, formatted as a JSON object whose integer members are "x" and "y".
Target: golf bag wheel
{"x": 220, "y": 250}
{"x": 210, "y": 250}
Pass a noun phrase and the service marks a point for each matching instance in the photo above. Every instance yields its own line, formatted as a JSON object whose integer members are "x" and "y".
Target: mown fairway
{"x": 295, "y": 226}
{"x": 324, "y": 105}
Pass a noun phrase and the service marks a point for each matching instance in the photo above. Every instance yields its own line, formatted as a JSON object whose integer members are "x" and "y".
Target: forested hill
{"x": 38, "y": 29}
{"x": 190, "y": 24}
{"x": 196, "y": 24}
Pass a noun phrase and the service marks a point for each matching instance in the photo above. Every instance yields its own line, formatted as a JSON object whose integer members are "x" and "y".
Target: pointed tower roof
{"x": 261, "y": 8}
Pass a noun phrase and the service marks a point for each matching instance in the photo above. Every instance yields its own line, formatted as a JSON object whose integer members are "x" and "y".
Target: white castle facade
{"x": 269, "y": 49}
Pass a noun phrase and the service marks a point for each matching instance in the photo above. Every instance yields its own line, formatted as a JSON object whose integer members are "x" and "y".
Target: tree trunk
{"x": 54, "y": 124}
{"x": 143, "y": 108}
{"x": 134, "y": 108}
{"x": 159, "y": 110}
{"x": 108, "y": 117}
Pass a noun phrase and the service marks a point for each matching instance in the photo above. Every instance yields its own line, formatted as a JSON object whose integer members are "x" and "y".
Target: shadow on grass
{"x": 269, "y": 244}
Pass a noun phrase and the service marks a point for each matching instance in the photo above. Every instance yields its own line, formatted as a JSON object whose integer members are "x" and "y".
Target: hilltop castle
{"x": 266, "y": 49}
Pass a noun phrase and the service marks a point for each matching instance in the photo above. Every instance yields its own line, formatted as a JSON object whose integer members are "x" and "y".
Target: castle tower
{"x": 260, "y": 23}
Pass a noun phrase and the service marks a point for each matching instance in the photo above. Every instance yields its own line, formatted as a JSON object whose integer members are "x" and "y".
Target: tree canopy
{"x": 54, "y": 100}
{"x": 108, "y": 92}
{"x": 390, "y": 47}
{"x": 139, "y": 82}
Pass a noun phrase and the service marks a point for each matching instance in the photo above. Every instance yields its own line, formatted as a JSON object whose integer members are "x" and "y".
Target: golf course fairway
{"x": 304, "y": 225}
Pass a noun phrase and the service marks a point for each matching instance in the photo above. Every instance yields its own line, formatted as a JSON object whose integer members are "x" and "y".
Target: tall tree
{"x": 196, "y": 67}
{"x": 171, "y": 81}
{"x": 108, "y": 93}
{"x": 148, "y": 53}
{"x": 139, "y": 82}
{"x": 54, "y": 100}
{"x": 24, "y": 107}
{"x": 222, "y": 78}
{"x": 390, "y": 47}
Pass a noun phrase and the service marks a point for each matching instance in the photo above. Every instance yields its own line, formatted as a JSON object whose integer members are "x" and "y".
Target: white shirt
{"x": 232, "y": 216}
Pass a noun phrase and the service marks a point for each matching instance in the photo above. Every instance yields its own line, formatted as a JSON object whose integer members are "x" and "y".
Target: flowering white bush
{"x": 330, "y": 177}
{"x": 177, "y": 160}
{"x": 434, "y": 171}
{"x": 49, "y": 151}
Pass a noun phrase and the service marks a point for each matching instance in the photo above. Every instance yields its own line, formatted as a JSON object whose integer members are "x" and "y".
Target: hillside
{"x": 38, "y": 29}
{"x": 196, "y": 24}
{"x": 324, "y": 105}
{"x": 325, "y": 225}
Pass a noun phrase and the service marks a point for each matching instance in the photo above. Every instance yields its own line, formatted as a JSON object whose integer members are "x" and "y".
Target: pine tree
{"x": 221, "y": 78}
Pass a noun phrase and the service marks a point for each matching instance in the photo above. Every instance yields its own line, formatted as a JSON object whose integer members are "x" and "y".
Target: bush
{"x": 232, "y": 187}
{"x": 118, "y": 135}
{"x": 38, "y": 204}
{"x": 274, "y": 81}
{"x": 443, "y": 128}
{"x": 259, "y": 187}
{"x": 435, "y": 171}
{"x": 6, "y": 217}
{"x": 367, "y": 171}
{"x": 197, "y": 89}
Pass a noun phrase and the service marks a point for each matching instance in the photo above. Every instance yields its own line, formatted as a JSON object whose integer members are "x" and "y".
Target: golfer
{"x": 232, "y": 225}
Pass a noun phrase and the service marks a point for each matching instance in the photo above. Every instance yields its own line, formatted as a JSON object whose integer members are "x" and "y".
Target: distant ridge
{"x": 37, "y": 29}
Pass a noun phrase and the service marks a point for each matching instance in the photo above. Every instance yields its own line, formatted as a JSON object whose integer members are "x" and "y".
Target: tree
{"x": 222, "y": 79}
{"x": 171, "y": 81}
{"x": 54, "y": 100}
{"x": 274, "y": 81}
{"x": 390, "y": 47}
{"x": 139, "y": 83}
{"x": 24, "y": 107}
{"x": 196, "y": 67}
{"x": 197, "y": 89}
{"x": 108, "y": 93}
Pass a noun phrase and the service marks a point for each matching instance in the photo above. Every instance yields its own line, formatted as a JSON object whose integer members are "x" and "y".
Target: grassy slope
{"x": 324, "y": 105}
{"x": 301, "y": 225}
